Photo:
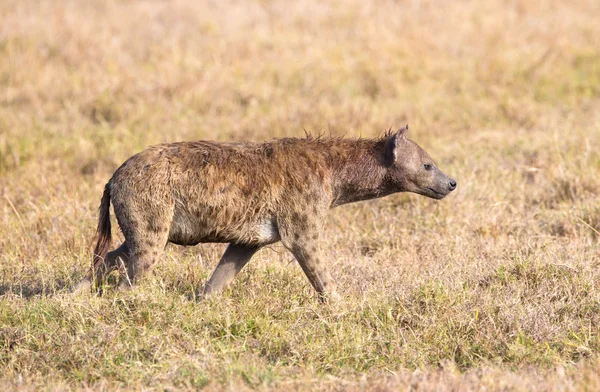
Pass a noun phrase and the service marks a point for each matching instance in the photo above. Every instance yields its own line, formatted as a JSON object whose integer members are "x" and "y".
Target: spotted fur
{"x": 250, "y": 195}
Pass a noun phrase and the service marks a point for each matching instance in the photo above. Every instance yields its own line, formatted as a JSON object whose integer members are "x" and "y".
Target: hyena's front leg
{"x": 302, "y": 239}
{"x": 233, "y": 260}
{"x": 314, "y": 267}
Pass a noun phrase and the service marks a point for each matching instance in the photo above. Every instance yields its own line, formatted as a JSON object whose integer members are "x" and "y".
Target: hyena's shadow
{"x": 37, "y": 286}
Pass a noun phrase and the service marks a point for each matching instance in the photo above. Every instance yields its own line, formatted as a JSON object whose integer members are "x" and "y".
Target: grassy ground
{"x": 496, "y": 287}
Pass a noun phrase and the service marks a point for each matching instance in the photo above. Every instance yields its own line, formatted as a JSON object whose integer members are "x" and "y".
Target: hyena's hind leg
{"x": 144, "y": 252}
{"x": 236, "y": 256}
{"x": 113, "y": 260}
{"x": 145, "y": 223}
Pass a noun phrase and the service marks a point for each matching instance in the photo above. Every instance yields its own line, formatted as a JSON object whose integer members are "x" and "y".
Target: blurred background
{"x": 504, "y": 95}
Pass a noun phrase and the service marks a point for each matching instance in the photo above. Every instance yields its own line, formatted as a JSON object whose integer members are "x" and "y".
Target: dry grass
{"x": 496, "y": 287}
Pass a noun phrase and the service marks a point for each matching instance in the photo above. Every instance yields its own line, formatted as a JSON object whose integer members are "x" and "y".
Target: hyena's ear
{"x": 391, "y": 145}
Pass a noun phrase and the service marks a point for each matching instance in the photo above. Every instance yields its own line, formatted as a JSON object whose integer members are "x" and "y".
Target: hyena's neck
{"x": 359, "y": 172}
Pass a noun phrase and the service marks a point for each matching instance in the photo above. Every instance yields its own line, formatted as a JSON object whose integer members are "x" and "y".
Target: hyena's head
{"x": 411, "y": 169}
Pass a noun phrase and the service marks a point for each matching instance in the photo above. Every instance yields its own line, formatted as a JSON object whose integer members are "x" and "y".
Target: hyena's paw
{"x": 331, "y": 297}
{"x": 125, "y": 283}
{"x": 85, "y": 286}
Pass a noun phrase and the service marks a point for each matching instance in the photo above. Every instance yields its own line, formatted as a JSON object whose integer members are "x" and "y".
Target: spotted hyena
{"x": 251, "y": 195}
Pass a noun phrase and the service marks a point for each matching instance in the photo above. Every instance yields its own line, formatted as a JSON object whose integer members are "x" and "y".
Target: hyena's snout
{"x": 448, "y": 185}
{"x": 443, "y": 186}
{"x": 451, "y": 184}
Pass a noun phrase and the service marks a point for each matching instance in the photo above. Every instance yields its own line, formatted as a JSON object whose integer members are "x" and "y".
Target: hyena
{"x": 250, "y": 195}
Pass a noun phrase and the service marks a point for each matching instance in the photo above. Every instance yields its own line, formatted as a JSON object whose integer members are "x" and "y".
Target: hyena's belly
{"x": 209, "y": 225}
{"x": 266, "y": 232}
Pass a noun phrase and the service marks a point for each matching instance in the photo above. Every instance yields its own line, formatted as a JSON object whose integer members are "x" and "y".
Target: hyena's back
{"x": 195, "y": 192}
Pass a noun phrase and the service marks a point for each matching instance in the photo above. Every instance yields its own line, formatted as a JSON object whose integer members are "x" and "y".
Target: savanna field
{"x": 496, "y": 287}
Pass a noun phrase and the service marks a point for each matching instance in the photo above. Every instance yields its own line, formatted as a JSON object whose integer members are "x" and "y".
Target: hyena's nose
{"x": 452, "y": 184}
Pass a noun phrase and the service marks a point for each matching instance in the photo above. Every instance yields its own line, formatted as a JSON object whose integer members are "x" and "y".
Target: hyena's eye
{"x": 427, "y": 166}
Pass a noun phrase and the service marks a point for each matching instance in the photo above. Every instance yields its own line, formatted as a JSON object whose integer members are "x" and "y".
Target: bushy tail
{"x": 103, "y": 232}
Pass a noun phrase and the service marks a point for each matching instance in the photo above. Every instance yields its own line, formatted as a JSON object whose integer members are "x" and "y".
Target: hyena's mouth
{"x": 437, "y": 195}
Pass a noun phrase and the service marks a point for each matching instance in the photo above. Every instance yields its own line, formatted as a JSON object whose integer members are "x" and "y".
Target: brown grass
{"x": 496, "y": 287}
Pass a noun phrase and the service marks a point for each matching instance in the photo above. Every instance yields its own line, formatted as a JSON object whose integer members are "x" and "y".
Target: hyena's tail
{"x": 103, "y": 232}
